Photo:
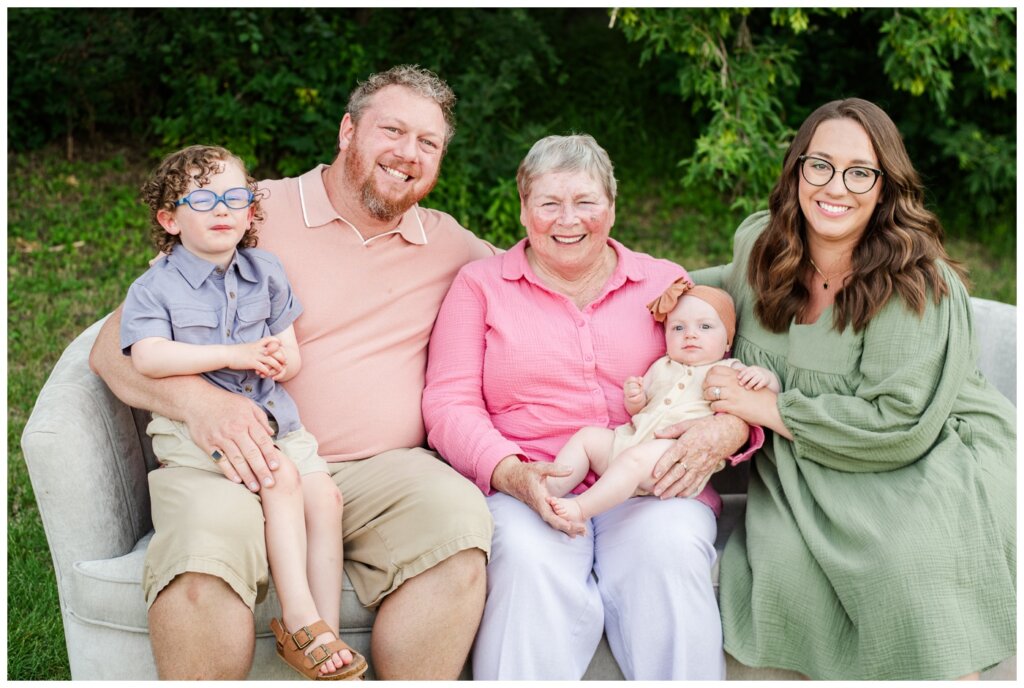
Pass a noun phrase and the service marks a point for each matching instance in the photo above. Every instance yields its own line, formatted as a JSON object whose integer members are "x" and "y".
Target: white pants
{"x": 642, "y": 572}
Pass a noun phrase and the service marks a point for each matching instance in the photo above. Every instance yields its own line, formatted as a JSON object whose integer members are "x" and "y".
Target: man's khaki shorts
{"x": 405, "y": 511}
{"x": 173, "y": 446}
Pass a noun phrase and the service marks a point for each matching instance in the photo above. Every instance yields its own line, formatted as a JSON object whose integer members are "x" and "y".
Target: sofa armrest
{"x": 86, "y": 464}
{"x": 995, "y": 326}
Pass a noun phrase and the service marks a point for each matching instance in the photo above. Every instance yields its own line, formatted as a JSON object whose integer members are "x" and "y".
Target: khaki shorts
{"x": 405, "y": 511}
{"x": 173, "y": 446}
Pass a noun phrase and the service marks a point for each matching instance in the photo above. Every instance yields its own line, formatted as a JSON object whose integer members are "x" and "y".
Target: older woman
{"x": 529, "y": 347}
{"x": 880, "y": 538}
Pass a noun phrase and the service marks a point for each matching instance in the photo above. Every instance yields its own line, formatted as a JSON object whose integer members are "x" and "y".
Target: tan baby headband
{"x": 717, "y": 298}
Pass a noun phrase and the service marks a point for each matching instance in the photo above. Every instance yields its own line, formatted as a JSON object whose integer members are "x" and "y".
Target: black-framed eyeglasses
{"x": 818, "y": 172}
{"x": 204, "y": 200}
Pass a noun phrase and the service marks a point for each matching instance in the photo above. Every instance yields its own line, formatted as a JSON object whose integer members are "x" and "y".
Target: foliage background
{"x": 695, "y": 106}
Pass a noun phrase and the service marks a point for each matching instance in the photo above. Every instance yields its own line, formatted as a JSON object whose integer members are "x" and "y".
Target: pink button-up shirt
{"x": 515, "y": 368}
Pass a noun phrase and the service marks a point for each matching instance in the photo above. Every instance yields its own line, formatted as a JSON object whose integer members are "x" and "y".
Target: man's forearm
{"x": 167, "y": 396}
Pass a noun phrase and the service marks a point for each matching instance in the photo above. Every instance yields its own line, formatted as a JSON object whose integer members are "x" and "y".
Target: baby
{"x": 700, "y": 323}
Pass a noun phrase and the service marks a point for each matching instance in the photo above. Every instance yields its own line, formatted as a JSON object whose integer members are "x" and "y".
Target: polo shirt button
{"x": 667, "y": 402}
{"x": 588, "y": 357}
{"x": 270, "y": 403}
{"x": 219, "y": 271}
{"x": 681, "y": 386}
{"x": 229, "y": 333}
{"x": 231, "y": 294}
{"x": 248, "y": 388}
{"x": 580, "y": 323}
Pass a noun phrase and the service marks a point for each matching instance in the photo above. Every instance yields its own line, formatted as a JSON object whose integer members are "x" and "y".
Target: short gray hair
{"x": 422, "y": 82}
{"x": 574, "y": 153}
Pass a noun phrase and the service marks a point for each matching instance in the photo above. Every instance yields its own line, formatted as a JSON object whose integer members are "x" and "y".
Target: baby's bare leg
{"x": 590, "y": 448}
{"x": 630, "y": 469}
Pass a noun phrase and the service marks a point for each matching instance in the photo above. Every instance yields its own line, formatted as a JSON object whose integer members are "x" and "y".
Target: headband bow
{"x": 719, "y": 299}
{"x": 663, "y": 305}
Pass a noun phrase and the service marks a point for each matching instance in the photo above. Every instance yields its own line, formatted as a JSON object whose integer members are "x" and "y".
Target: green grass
{"x": 78, "y": 236}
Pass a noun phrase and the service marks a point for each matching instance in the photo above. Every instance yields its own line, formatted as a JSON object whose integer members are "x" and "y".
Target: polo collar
{"x": 317, "y": 210}
{"x": 195, "y": 270}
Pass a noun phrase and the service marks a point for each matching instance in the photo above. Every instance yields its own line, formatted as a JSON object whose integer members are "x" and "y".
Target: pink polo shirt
{"x": 516, "y": 368}
{"x": 369, "y": 309}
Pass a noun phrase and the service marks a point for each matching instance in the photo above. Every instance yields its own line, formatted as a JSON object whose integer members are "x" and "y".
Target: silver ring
{"x": 717, "y": 391}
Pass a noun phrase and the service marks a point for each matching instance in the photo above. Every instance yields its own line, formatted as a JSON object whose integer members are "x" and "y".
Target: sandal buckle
{"x": 309, "y": 637}
{"x": 319, "y": 654}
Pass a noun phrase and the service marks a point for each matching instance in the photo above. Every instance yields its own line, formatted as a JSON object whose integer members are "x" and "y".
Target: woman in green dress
{"x": 880, "y": 538}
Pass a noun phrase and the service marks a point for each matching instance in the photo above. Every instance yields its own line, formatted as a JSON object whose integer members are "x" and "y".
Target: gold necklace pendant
{"x": 824, "y": 278}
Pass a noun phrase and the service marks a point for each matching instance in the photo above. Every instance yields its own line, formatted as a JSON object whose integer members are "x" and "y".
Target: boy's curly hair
{"x": 175, "y": 175}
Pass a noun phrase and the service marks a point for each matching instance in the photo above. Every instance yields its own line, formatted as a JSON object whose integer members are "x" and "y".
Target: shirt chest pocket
{"x": 195, "y": 325}
{"x": 252, "y": 317}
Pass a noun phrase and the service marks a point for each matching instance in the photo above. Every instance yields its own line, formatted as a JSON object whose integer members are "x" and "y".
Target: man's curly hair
{"x": 175, "y": 175}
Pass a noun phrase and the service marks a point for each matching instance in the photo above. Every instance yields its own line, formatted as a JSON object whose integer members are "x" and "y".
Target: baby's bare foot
{"x": 568, "y": 509}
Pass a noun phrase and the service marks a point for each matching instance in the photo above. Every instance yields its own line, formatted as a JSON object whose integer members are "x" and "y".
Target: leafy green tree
{"x": 716, "y": 93}
{"x": 755, "y": 74}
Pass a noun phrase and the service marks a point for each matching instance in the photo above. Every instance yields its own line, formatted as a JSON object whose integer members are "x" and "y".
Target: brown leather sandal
{"x": 292, "y": 649}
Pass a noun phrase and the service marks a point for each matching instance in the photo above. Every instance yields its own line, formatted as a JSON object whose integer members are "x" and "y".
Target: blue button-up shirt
{"x": 186, "y": 299}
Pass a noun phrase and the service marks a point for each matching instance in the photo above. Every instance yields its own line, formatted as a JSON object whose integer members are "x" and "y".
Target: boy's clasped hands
{"x": 266, "y": 357}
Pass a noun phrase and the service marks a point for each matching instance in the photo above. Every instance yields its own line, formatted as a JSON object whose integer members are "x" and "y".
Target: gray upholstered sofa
{"x": 88, "y": 455}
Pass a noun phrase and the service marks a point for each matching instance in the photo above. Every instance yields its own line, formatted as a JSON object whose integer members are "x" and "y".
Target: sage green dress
{"x": 880, "y": 543}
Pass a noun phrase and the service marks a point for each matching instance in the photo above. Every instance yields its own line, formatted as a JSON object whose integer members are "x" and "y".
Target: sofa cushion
{"x": 108, "y": 592}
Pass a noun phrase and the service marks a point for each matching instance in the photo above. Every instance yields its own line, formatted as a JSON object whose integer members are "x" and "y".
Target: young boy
{"x": 216, "y": 306}
{"x": 700, "y": 323}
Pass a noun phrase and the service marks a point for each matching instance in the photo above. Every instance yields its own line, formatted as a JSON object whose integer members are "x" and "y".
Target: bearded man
{"x": 371, "y": 268}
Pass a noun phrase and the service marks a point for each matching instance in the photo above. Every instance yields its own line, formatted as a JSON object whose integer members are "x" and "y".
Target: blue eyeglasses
{"x": 204, "y": 200}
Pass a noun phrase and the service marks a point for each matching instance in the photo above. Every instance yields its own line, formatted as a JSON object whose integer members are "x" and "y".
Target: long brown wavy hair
{"x": 172, "y": 179}
{"x": 897, "y": 253}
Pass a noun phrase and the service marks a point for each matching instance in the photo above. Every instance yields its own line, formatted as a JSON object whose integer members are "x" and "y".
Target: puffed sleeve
{"x": 911, "y": 371}
{"x": 458, "y": 424}
{"x": 143, "y": 315}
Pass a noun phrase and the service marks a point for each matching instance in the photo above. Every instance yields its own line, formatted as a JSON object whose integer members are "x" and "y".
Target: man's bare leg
{"x": 201, "y": 629}
{"x": 425, "y": 628}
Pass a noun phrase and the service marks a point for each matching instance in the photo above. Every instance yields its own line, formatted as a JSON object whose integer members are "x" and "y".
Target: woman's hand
{"x": 526, "y": 481}
{"x": 703, "y": 444}
{"x": 757, "y": 407}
